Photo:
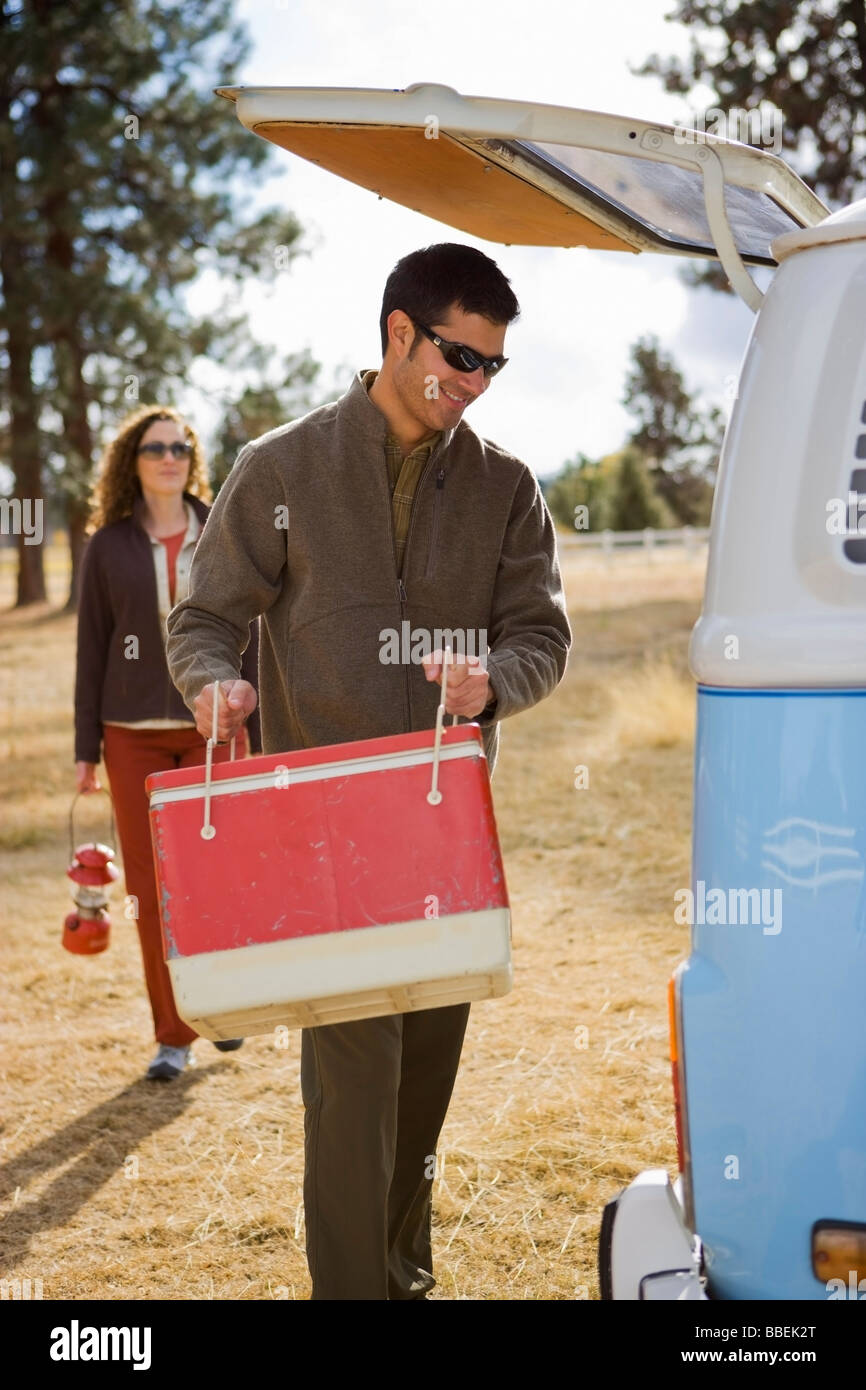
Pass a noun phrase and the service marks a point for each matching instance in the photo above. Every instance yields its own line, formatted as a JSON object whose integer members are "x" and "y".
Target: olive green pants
{"x": 375, "y": 1094}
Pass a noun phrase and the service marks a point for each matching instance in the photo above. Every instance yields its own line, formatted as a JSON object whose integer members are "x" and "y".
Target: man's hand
{"x": 237, "y": 701}
{"x": 469, "y": 688}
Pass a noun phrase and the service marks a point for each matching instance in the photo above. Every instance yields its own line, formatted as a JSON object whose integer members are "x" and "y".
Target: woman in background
{"x": 150, "y": 504}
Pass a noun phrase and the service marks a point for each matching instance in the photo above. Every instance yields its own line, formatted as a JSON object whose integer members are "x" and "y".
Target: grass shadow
{"x": 103, "y": 1139}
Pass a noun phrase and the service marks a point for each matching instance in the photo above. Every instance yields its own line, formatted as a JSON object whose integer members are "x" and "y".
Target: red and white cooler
{"x": 334, "y": 883}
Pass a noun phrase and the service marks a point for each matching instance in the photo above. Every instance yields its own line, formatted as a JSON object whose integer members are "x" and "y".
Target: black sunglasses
{"x": 461, "y": 357}
{"x": 179, "y": 449}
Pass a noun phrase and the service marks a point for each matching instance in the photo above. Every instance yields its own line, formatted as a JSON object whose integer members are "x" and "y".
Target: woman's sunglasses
{"x": 461, "y": 357}
{"x": 180, "y": 449}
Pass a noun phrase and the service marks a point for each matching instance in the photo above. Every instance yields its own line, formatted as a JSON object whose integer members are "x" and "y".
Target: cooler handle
{"x": 208, "y": 831}
{"x": 434, "y": 796}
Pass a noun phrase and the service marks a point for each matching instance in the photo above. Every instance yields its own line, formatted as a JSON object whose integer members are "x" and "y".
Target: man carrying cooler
{"x": 380, "y": 509}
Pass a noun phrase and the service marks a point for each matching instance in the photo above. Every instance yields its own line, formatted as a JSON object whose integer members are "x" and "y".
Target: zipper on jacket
{"x": 407, "y": 713}
{"x": 401, "y": 588}
{"x": 437, "y": 509}
{"x": 401, "y": 599}
{"x": 414, "y": 507}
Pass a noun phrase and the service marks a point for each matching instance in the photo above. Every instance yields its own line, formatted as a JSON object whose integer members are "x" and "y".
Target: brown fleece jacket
{"x": 302, "y": 534}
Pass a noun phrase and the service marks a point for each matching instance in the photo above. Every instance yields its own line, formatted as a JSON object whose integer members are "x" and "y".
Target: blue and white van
{"x": 768, "y": 1018}
{"x": 769, "y": 1010}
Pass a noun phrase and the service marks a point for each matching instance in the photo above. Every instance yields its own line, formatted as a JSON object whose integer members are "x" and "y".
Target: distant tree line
{"x": 664, "y": 474}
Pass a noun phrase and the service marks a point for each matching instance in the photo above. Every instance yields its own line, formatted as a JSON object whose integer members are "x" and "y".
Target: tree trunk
{"x": 24, "y": 453}
{"x": 23, "y": 402}
{"x": 24, "y": 456}
{"x": 79, "y": 439}
{"x": 73, "y": 394}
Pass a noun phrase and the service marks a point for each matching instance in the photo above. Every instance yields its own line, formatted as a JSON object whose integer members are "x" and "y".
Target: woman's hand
{"x": 86, "y": 779}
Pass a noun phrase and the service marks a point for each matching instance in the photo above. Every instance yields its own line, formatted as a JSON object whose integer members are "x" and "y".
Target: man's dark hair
{"x": 425, "y": 284}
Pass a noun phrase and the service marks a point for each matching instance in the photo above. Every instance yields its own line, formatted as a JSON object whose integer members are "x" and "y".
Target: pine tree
{"x": 807, "y": 58}
{"x": 263, "y": 407}
{"x": 633, "y": 505}
{"x": 804, "y": 58}
{"x": 577, "y": 496}
{"x": 121, "y": 181}
{"x": 680, "y": 443}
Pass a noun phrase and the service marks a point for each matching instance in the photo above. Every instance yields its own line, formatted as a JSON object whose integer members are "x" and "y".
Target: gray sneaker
{"x": 169, "y": 1062}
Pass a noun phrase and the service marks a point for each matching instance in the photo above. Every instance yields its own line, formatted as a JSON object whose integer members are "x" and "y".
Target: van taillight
{"x": 839, "y": 1252}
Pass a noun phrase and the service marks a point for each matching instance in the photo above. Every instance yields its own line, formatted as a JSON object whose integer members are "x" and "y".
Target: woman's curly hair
{"x": 117, "y": 487}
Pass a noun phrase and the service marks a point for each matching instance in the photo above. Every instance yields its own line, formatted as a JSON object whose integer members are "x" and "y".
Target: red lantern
{"x": 86, "y": 935}
{"x": 86, "y": 931}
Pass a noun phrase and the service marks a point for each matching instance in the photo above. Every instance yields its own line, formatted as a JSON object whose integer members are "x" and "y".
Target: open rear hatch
{"x": 529, "y": 174}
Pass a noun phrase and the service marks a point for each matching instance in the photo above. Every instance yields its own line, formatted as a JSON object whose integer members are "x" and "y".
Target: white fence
{"x": 690, "y": 538}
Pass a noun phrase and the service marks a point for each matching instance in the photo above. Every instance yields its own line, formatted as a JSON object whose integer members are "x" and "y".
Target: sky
{"x": 581, "y": 310}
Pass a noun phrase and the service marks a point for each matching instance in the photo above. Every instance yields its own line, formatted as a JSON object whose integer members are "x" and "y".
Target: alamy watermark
{"x": 21, "y": 1289}
{"x": 77, "y": 1343}
{"x": 718, "y": 907}
{"x": 854, "y": 1289}
{"x": 846, "y": 519}
{"x": 22, "y": 517}
{"x": 754, "y": 125}
{"x": 410, "y": 645}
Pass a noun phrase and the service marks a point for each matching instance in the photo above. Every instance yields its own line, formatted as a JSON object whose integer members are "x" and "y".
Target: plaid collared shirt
{"x": 403, "y": 475}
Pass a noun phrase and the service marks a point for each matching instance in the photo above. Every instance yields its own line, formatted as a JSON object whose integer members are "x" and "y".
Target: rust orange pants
{"x": 130, "y": 755}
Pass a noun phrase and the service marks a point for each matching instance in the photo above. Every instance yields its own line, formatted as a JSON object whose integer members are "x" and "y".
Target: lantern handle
{"x": 113, "y": 831}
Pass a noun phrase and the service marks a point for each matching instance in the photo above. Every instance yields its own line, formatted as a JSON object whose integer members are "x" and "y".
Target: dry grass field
{"x": 115, "y": 1188}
